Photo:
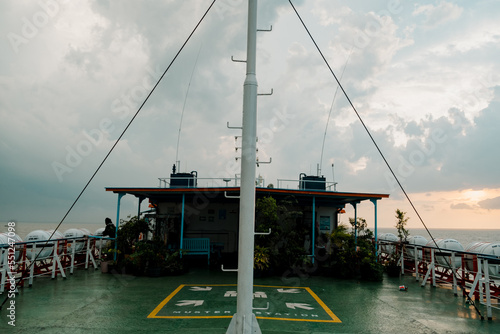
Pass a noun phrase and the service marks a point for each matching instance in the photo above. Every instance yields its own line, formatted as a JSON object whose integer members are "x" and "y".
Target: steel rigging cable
{"x": 330, "y": 112}
{"x": 376, "y": 146}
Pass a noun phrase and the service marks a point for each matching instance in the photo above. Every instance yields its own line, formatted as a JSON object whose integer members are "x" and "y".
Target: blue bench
{"x": 197, "y": 246}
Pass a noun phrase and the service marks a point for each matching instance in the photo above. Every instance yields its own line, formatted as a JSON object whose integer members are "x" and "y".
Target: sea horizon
{"x": 464, "y": 236}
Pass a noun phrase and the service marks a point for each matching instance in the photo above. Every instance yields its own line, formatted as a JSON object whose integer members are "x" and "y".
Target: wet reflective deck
{"x": 203, "y": 301}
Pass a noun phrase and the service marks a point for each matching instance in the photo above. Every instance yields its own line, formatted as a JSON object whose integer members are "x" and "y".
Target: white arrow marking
{"x": 289, "y": 290}
{"x": 230, "y": 294}
{"x": 197, "y": 288}
{"x": 299, "y": 305}
{"x": 190, "y": 302}
{"x": 259, "y": 294}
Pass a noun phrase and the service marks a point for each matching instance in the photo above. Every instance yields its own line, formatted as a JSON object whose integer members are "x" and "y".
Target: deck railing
{"x": 165, "y": 182}
{"x": 47, "y": 258}
{"x": 476, "y": 275}
{"x": 295, "y": 184}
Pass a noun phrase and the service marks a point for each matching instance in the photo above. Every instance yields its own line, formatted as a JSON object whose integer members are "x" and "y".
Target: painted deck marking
{"x": 197, "y": 288}
{"x": 164, "y": 302}
{"x": 259, "y": 294}
{"x": 190, "y": 303}
{"x": 299, "y": 306}
{"x": 320, "y": 302}
{"x": 230, "y": 294}
{"x": 288, "y": 290}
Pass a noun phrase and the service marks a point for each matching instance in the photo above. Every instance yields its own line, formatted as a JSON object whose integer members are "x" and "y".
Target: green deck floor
{"x": 91, "y": 302}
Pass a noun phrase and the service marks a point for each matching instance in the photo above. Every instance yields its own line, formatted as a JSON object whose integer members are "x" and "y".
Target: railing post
{"x": 354, "y": 204}
{"x": 32, "y": 263}
{"x": 402, "y": 260}
{"x": 374, "y": 201}
{"x": 487, "y": 288}
{"x": 453, "y": 269}
{"x": 415, "y": 254}
{"x": 313, "y": 227}
{"x": 120, "y": 195}
{"x": 72, "y": 257}
{"x": 433, "y": 268}
{"x": 182, "y": 224}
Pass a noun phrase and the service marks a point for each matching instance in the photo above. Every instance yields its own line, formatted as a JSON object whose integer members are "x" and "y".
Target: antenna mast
{"x": 244, "y": 321}
{"x": 330, "y": 113}
{"x": 182, "y": 114}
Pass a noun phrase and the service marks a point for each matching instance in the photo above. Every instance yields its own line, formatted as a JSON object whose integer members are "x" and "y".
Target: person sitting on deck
{"x": 110, "y": 229}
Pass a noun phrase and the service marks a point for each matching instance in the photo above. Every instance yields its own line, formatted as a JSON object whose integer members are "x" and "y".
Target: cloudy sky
{"x": 424, "y": 76}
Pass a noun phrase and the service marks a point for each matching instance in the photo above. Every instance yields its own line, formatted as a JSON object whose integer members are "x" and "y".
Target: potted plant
{"x": 155, "y": 259}
{"x": 261, "y": 261}
{"x": 147, "y": 258}
{"x": 107, "y": 262}
{"x": 401, "y": 226}
{"x": 104, "y": 267}
{"x": 135, "y": 263}
{"x": 173, "y": 264}
{"x": 393, "y": 265}
{"x": 129, "y": 232}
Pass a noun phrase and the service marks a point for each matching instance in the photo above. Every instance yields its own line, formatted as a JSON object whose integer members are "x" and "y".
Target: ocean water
{"x": 464, "y": 236}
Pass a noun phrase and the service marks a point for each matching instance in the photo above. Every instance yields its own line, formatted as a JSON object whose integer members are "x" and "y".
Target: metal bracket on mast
{"x": 263, "y": 162}
{"x": 222, "y": 268}
{"x": 237, "y": 60}
{"x": 229, "y": 196}
{"x": 263, "y": 233}
{"x": 266, "y": 30}
{"x": 234, "y": 127}
{"x": 262, "y": 308}
{"x": 266, "y": 94}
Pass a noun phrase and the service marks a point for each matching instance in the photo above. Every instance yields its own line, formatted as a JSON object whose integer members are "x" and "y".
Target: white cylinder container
{"x": 447, "y": 245}
{"x": 85, "y": 231}
{"x": 388, "y": 240}
{"x": 415, "y": 240}
{"x": 473, "y": 247}
{"x": 39, "y": 237}
{"x": 3, "y": 251}
{"x": 99, "y": 231}
{"x": 18, "y": 248}
{"x": 99, "y": 243}
{"x": 57, "y": 236}
{"x": 484, "y": 248}
{"x": 4, "y": 239}
{"x": 74, "y": 233}
{"x": 494, "y": 250}
{"x": 379, "y": 237}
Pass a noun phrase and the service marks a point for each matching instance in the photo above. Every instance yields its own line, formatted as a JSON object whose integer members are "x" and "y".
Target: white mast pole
{"x": 244, "y": 321}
